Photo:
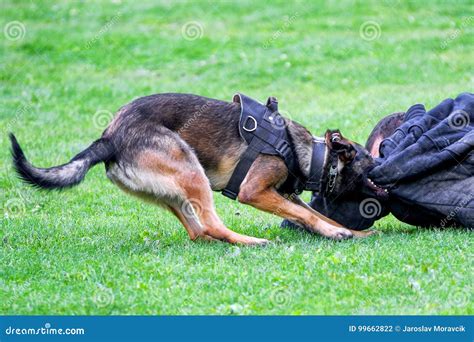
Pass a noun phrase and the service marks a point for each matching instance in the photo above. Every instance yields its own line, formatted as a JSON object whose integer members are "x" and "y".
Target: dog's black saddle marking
{"x": 265, "y": 131}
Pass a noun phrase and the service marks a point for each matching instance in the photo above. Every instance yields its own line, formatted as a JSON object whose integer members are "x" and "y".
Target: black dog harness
{"x": 265, "y": 131}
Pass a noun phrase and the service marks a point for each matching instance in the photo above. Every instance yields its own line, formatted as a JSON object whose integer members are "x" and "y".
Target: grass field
{"x": 66, "y": 66}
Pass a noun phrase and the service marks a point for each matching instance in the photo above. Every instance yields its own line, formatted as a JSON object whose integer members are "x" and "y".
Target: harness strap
{"x": 242, "y": 168}
{"x": 318, "y": 160}
{"x": 258, "y": 128}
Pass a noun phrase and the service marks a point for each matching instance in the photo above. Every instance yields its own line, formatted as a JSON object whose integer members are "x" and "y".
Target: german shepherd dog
{"x": 173, "y": 149}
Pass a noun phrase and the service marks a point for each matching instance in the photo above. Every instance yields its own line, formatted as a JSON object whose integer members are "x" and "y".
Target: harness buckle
{"x": 254, "y": 124}
{"x": 272, "y": 104}
{"x": 282, "y": 148}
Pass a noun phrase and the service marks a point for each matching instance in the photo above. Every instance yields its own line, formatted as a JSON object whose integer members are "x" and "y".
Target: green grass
{"x": 94, "y": 250}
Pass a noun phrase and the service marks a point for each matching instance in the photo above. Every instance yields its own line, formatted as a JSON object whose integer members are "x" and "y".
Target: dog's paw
{"x": 365, "y": 233}
{"x": 340, "y": 234}
{"x": 246, "y": 240}
{"x": 258, "y": 242}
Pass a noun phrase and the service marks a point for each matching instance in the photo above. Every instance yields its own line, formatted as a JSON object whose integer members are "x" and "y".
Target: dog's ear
{"x": 344, "y": 148}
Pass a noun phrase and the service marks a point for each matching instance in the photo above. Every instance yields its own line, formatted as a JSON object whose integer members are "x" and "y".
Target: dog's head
{"x": 355, "y": 201}
{"x": 350, "y": 198}
{"x": 353, "y": 163}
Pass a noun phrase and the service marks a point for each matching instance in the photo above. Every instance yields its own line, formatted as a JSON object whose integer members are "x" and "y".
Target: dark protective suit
{"x": 428, "y": 165}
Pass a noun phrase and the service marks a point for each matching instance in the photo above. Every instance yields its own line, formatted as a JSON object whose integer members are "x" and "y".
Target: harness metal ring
{"x": 254, "y": 124}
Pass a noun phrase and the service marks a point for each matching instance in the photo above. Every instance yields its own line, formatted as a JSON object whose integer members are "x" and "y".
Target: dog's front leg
{"x": 271, "y": 201}
{"x": 297, "y": 200}
{"x": 258, "y": 190}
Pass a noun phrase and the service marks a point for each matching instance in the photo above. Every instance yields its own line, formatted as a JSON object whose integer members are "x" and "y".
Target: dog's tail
{"x": 62, "y": 176}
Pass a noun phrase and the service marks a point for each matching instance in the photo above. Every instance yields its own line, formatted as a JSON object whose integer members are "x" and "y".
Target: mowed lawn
{"x": 67, "y": 66}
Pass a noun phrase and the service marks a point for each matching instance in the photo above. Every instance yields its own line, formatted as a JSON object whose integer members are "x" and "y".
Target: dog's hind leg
{"x": 191, "y": 222}
{"x": 169, "y": 173}
{"x": 198, "y": 201}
